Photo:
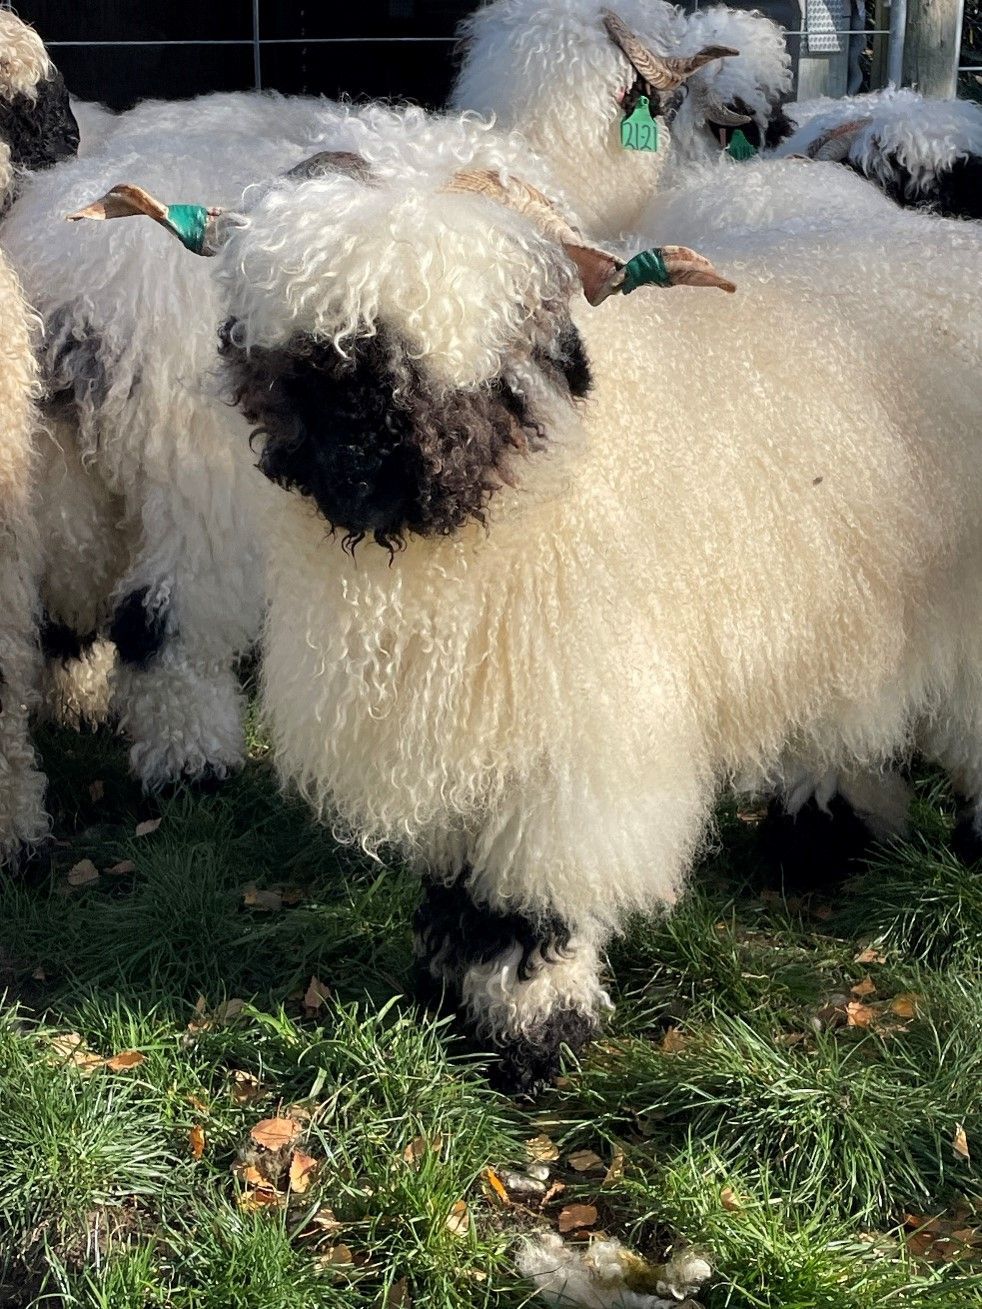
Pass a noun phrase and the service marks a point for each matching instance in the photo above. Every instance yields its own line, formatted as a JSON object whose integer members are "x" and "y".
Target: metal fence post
{"x": 257, "y": 49}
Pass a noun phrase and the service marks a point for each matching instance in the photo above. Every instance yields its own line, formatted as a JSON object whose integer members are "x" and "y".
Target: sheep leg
{"x": 23, "y": 821}
{"x": 955, "y": 747}
{"x": 182, "y": 613}
{"x": 531, "y": 987}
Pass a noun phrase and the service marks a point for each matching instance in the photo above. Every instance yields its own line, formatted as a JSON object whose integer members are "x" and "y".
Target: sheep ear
{"x": 201, "y": 230}
{"x": 600, "y": 273}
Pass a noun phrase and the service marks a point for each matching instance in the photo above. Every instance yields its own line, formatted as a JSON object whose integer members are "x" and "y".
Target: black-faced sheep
{"x": 548, "y": 577}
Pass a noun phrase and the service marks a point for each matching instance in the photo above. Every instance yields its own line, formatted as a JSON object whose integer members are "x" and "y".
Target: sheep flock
{"x": 539, "y": 560}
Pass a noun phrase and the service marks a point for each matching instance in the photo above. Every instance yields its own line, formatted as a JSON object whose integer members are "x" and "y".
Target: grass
{"x": 809, "y": 1137}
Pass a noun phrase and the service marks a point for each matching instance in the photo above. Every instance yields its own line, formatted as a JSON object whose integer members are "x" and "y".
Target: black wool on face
{"x": 381, "y": 452}
{"x": 40, "y": 132}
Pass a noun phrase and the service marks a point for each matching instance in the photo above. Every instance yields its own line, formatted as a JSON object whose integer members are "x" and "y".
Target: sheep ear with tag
{"x": 200, "y": 229}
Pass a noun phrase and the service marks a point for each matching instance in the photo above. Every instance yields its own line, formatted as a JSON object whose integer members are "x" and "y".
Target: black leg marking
{"x": 453, "y": 933}
{"x": 529, "y": 1064}
{"x": 137, "y": 631}
{"x": 814, "y": 848}
{"x": 63, "y": 643}
{"x": 966, "y": 841}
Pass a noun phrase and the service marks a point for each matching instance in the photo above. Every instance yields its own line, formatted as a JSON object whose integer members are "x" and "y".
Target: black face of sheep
{"x": 381, "y": 451}
{"x": 776, "y": 129}
{"x": 41, "y": 131}
{"x": 955, "y": 192}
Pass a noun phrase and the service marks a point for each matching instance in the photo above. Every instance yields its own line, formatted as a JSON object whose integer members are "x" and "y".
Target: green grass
{"x": 789, "y": 1145}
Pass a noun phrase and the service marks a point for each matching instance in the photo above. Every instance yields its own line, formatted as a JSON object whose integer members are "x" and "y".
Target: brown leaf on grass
{"x": 97, "y": 791}
{"x": 905, "y": 1005}
{"x": 864, "y": 988}
{"x": 316, "y": 996}
{"x": 397, "y": 1296}
{"x": 148, "y": 827}
{"x": 125, "y": 1059}
{"x": 542, "y": 1149}
{"x": 870, "y": 956}
{"x": 557, "y": 1188}
{"x": 615, "y": 1171}
{"x": 730, "y": 1201}
{"x": 960, "y": 1144}
{"x": 204, "y": 1021}
{"x": 197, "y": 1139}
{"x": 458, "y": 1219}
{"x": 575, "y": 1216}
{"x": 859, "y": 1014}
{"x": 70, "y": 1048}
{"x": 326, "y": 1220}
{"x": 84, "y": 873}
{"x": 674, "y": 1041}
{"x": 267, "y": 900}
{"x": 336, "y": 1256}
{"x": 585, "y": 1161}
{"x": 302, "y": 1169}
{"x": 420, "y": 1147}
{"x": 122, "y": 869}
{"x": 39, "y": 975}
{"x": 245, "y": 1088}
{"x": 823, "y": 912}
{"x": 275, "y": 1133}
{"x": 498, "y": 1188}
{"x": 258, "y": 1197}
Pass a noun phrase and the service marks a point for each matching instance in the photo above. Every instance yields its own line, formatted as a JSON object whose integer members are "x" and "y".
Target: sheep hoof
{"x": 814, "y": 848}
{"x": 528, "y": 1064}
{"x": 966, "y": 842}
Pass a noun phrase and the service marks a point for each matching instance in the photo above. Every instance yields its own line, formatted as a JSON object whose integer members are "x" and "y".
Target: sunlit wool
{"x": 738, "y": 546}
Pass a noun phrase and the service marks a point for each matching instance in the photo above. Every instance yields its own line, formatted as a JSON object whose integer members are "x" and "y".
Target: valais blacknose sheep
{"x": 36, "y": 122}
{"x": 923, "y": 153}
{"x": 544, "y": 577}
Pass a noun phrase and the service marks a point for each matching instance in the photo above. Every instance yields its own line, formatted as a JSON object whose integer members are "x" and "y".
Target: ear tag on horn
{"x": 639, "y": 131}
{"x": 647, "y": 268}
{"x": 739, "y": 147}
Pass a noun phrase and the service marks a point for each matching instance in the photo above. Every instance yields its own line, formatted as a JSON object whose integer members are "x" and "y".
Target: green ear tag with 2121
{"x": 639, "y": 131}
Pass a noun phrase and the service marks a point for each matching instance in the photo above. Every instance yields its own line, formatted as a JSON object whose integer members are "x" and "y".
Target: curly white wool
{"x": 569, "y": 1276}
{"x": 23, "y": 821}
{"x": 24, "y": 62}
{"x": 552, "y": 72}
{"x": 760, "y": 76}
{"x": 924, "y": 136}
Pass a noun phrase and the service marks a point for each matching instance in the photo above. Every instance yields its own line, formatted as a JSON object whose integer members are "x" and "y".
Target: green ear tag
{"x": 645, "y": 269}
{"x": 639, "y": 131}
{"x": 739, "y": 147}
{"x": 188, "y": 223}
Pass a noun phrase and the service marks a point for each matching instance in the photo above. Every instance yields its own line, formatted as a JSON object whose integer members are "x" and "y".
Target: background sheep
{"x": 924, "y": 153}
{"x": 588, "y": 546}
{"x": 36, "y": 121}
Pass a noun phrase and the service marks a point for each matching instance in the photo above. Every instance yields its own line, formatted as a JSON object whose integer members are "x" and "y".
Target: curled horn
{"x": 601, "y": 273}
{"x": 659, "y": 71}
{"x": 722, "y": 115}
{"x": 202, "y": 230}
{"x": 327, "y": 162}
{"x": 834, "y": 145}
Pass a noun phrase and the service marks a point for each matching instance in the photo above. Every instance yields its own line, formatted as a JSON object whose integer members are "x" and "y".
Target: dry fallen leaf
{"x": 84, "y": 873}
{"x": 338, "y": 1256}
{"x": 674, "y": 1041}
{"x": 125, "y": 1059}
{"x": 121, "y": 869}
{"x": 905, "y": 1005}
{"x": 420, "y": 1147}
{"x": 859, "y": 1015}
{"x": 542, "y": 1149}
{"x": 245, "y": 1088}
{"x": 147, "y": 827}
{"x": 97, "y": 791}
{"x": 730, "y": 1201}
{"x": 315, "y": 997}
{"x": 258, "y": 1197}
{"x": 616, "y": 1170}
{"x": 960, "y": 1143}
{"x": 864, "y": 988}
{"x": 267, "y": 900}
{"x": 275, "y": 1133}
{"x": 557, "y": 1188}
{"x": 397, "y": 1296}
{"x": 577, "y": 1215}
{"x": 250, "y": 1175}
{"x": 70, "y": 1047}
{"x": 39, "y": 975}
{"x": 585, "y": 1161}
{"x": 197, "y": 1139}
{"x": 870, "y": 956}
{"x": 498, "y": 1188}
{"x": 302, "y": 1169}
{"x": 458, "y": 1219}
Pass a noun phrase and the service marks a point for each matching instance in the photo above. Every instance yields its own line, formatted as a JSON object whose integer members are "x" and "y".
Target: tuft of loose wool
{"x": 606, "y": 1275}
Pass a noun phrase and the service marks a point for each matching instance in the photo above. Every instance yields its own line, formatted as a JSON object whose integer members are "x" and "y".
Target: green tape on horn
{"x": 189, "y": 223}
{"x": 646, "y": 269}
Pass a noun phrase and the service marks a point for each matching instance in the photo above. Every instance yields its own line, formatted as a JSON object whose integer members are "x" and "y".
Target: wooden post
{"x": 931, "y": 49}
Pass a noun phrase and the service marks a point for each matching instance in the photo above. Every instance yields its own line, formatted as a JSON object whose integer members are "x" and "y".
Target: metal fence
{"x": 256, "y": 49}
